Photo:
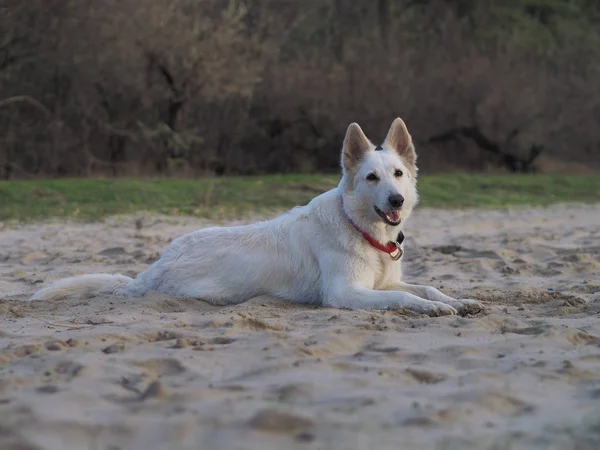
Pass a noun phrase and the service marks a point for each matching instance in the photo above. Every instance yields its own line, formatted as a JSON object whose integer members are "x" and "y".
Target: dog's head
{"x": 379, "y": 182}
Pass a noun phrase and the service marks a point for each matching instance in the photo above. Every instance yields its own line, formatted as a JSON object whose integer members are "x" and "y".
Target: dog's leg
{"x": 361, "y": 298}
{"x": 342, "y": 286}
{"x": 464, "y": 306}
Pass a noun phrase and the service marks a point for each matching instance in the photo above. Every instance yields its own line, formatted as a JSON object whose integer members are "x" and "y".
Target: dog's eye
{"x": 372, "y": 177}
{"x": 398, "y": 173}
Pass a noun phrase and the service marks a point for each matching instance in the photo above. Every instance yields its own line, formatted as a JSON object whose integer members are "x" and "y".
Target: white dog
{"x": 341, "y": 250}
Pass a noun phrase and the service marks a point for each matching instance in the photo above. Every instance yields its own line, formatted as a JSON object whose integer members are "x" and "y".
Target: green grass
{"x": 231, "y": 197}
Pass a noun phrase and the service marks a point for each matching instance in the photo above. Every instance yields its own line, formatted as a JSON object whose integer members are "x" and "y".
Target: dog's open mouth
{"x": 391, "y": 217}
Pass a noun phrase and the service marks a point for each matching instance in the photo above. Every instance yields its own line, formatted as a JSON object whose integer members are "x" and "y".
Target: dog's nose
{"x": 396, "y": 200}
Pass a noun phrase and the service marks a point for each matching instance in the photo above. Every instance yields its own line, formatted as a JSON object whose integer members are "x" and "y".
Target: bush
{"x": 181, "y": 87}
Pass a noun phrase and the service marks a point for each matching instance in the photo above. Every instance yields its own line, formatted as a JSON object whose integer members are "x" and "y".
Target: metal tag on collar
{"x": 396, "y": 254}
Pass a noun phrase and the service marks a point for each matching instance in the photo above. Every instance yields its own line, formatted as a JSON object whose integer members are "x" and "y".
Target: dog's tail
{"x": 83, "y": 286}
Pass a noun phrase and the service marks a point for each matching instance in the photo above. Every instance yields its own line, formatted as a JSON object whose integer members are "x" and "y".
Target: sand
{"x": 166, "y": 373}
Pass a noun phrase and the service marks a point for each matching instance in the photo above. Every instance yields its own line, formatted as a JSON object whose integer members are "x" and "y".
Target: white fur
{"x": 83, "y": 286}
{"x": 311, "y": 254}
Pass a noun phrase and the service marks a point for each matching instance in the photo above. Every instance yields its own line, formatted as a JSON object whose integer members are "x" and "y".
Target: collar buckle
{"x": 396, "y": 254}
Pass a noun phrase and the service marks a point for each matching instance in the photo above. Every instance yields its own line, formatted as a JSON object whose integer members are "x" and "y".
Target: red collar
{"x": 392, "y": 248}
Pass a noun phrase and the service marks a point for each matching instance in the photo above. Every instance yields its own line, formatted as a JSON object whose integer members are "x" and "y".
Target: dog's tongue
{"x": 394, "y": 216}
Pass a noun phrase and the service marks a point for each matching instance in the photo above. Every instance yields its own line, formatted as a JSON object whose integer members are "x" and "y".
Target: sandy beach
{"x": 166, "y": 373}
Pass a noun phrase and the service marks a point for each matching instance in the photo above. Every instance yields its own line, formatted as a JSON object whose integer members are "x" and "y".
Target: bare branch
{"x": 26, "y": 99}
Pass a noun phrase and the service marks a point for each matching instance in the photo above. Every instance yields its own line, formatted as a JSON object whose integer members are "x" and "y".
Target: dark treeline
{"x": 188, "y": 87}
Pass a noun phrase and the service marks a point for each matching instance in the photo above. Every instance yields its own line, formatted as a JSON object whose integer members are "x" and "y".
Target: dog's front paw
{"x": 468, "y": 306}
{"x": 436, "y": 309}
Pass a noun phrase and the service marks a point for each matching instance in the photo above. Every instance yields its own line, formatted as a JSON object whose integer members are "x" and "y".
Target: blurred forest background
{"x": 192, "y": 87}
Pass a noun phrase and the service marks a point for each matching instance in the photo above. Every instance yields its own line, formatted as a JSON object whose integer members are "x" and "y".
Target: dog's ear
{"x": 356, "y": 145}
{"x": 399, "y": 139}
